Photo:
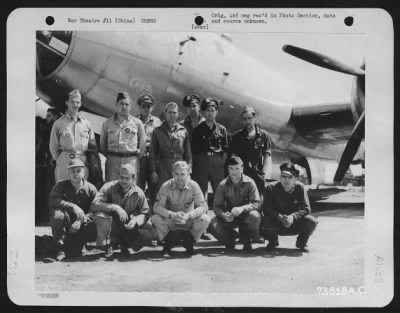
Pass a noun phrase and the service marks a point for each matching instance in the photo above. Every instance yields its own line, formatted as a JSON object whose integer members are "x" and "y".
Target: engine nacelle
{"x": 321, "y": 171}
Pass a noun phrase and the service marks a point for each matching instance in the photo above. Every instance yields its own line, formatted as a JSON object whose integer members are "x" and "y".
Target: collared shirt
{"x": 149, "y": 125}
{"x": 64, "y": 196}
{"x": 128, "y": 136}
{"x": 277, "y": 200}
{"x": 133, "y": 201}
{"x": 205, "y": 139}
{"x": 187, "y": 122}
{"x": 189, "y": 200}
{"x": 169, "y": 143}
{"x": 71, "y": 135}
{"x": 252, "y": 150}
{"x": 243, "y": 194}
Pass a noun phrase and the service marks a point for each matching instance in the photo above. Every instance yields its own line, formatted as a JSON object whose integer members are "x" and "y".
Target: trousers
{"x": 196, "y": 226}
{"x": 208, "y": 168}
{"x": 61, "y": 221}
{"x": 247, "y": 222}
{"x": 110, "y": 230}
{"x": 303, "y": 227}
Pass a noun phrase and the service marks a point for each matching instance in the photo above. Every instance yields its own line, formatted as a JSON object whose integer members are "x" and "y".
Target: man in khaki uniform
{"x": 71, "y": 136}
{"x": 122, "y": 138}
{"x": 180, "y": 205}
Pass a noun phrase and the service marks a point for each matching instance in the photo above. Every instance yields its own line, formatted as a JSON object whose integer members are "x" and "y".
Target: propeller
{"x": 358, "y": 132}
{"x": 351, "y": 148}
{"x": 322, "y": 60}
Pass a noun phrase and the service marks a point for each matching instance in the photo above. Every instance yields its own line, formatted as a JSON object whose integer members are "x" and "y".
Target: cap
{"x": 248, "y": 109}
{"x": 146, "y": 98}
{"x": 189, "y": 99}
{"x": 123, "y": 95}
{"x": 76, "y": 163}
{"x": 234, "y": 160}
{"x": 127, "y": 170}
{"x": 75, "y": 94}
{"x": 208, "y": 102}
{"x": 289, "y": 168}
{"x": 170, "y": 104}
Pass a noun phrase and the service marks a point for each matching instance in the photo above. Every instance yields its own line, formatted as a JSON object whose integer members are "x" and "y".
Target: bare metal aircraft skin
{"x": 172, "y": 65}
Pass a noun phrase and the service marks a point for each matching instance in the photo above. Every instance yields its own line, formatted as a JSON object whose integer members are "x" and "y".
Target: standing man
{"x": 209, "y": 148}
{"x": 71, "y": 136}
{"x": 287, "y": 210}
{"x": 193, "y": 118}
{"x": 145, "y": 103}
{"x": 169, "y": 143}
{"x": 253, "y": 145}
{"x": 71, "y": 222}
{"x": 122, "y": 214}
{"x": 236, "y": 204}
{"x": 180, "y": 205}
{"x": 122, "y": 138}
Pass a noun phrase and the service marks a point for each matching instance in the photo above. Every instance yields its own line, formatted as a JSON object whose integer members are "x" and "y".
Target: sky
{"x": 319, "y": 85}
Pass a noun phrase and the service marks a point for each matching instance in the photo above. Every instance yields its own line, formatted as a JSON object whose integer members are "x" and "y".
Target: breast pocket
{"x": 129, "y": 135}
{"x": 66, "y": 139}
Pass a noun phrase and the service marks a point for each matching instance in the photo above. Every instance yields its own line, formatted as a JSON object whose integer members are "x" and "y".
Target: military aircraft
{"x": 322, "y": 139}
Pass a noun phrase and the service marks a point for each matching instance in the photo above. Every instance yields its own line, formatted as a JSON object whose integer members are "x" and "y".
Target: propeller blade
{"x": 351, "y": 148}
{"x": 322, "y": 60}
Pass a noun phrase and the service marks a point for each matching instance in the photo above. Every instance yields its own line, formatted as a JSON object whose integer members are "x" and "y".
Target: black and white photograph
{"x": 220, "y": 160}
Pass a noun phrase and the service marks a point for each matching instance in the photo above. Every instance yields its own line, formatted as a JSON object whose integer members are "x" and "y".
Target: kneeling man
{"x": 236, "y": 204}
{"x": 180, "y": 206}
{"x": 71, "y": 222}
{"x": 122, "y": 214}
{"x": 287, "y": 210}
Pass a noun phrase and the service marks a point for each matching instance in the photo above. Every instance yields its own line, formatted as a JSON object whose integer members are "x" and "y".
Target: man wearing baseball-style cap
{"x": 71, "y": 136}
{"x": 71, "y": 222}
{"x": 122, "y": 214}
{"x": 146, "y": 103}
{"x": 287, "y": 210}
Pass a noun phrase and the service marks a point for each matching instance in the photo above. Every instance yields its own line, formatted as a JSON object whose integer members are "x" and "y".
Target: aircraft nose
{"x": 51, "y": 49}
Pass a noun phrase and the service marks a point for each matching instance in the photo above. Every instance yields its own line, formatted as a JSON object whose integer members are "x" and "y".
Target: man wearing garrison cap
{"x": 122, "y": 214}
{"x": 287, "y": 210}
{"x": 146, "y": 103}
{"x": 169, "y": 143}
{"x": 71, "y": 136}
{"x": 236, "y": 205}
{"x": 122, "y": 138}
{"x": 71, "y": 222}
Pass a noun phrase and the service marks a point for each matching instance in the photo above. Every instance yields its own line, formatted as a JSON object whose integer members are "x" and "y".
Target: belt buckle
{"x": 72, "y": 155}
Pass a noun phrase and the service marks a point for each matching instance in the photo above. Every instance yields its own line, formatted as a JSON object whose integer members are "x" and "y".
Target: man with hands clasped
{"x": 122, "y": 214}
{"x": 180, "y": 207}
{"x": 236, "y": 204}
{"x": 287, "y": 210}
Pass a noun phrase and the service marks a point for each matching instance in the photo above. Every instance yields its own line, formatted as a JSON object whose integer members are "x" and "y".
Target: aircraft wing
{"x": 329, "y": 123}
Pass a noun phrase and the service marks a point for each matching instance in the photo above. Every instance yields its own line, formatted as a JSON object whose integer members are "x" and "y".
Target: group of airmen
{"x": 174, "y": 162}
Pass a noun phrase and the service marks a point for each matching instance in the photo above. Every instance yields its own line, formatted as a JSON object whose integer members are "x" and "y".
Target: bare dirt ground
{"x": 336, "y": 259}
